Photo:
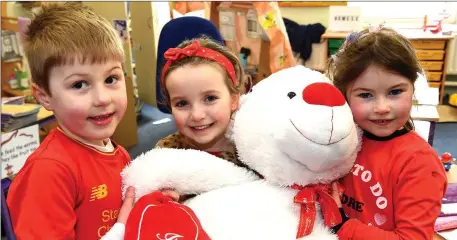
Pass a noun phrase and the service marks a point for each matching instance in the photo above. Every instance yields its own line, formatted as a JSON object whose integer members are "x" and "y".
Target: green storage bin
{"x": 335, "y": 43}
{"x": 332, "y": 51}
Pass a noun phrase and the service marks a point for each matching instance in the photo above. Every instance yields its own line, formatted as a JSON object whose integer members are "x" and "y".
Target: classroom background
{"x": 268, "y": 36}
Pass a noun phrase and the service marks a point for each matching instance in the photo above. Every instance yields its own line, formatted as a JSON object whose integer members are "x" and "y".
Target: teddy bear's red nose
{"x": 323, "y": 94}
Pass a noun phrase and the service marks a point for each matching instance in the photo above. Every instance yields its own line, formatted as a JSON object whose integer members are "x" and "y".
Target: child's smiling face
{"x": 380, "y": 101}
{"x": 201, "y": 102}
{"x": 88, "y": 100}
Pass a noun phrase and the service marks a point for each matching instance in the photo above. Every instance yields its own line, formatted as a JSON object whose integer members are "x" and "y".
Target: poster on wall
{"x": 227, "y": 25}
{"x": 121, "y": 28}
{"x": 254, "y": 30}
{"x": 16, "y": 147}
{"x": 10, "y": 46}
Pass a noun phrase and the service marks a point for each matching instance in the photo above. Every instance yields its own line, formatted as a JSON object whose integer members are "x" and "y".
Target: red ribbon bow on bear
{"x": 307, "y": 197}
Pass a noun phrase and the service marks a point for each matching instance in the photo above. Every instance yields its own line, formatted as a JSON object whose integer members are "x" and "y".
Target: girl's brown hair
{"x": 385, "y": 48}
{"x": 206, "y": 42}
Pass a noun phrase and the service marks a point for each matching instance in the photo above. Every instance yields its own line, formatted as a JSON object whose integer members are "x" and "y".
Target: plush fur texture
{"x": 293, "y": 128}
{"x": 179, "y": 169}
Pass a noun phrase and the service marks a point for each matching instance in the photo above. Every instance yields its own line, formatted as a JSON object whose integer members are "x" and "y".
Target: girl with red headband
{"x": 202, "y": 82}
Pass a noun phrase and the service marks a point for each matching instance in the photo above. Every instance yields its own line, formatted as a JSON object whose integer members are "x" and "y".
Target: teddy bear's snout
{"x": 325, "y": 94}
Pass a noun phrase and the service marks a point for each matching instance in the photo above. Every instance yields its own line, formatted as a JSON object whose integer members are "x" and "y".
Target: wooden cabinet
{"x": 432, "y": 55}
{"x": 434, "y": 76}
{"x": 431, "y": 66}
{"x": 428, "y": 44}
{"x": 425, "y": 54}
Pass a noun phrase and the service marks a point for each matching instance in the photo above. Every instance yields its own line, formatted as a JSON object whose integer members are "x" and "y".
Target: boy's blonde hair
{"x": 207, "y": 42}
{"x": 63, "y": 33}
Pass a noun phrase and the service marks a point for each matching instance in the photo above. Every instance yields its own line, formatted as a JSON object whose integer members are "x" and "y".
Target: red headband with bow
{"x": 194, "y": 49}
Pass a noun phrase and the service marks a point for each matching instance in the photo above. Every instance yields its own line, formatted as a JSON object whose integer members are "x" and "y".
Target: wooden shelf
{"x": 19, "y": 59}
{"x": 17, "y": 92}
{"x": 334, "y": 34}
{"x": 450, "y": 84}
{"x": 10, "y": 23}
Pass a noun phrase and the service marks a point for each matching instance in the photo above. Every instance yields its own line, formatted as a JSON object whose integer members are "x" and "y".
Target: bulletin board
{"x": 257, "y": 26}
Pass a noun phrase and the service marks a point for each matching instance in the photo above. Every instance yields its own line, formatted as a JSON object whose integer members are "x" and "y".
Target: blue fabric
{"x": 302, "y": 37}
{"x": 172, "y": 34}
{"x": 7, "y": 227}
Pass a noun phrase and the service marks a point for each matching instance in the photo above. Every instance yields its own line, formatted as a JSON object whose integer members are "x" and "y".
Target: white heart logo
{"x": 380, "y": 219}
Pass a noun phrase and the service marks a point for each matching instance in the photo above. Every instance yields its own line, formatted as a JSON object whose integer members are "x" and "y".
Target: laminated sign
{"x": 16, "y": 147}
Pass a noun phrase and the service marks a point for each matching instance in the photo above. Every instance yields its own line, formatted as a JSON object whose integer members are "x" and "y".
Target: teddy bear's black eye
{"x": 291, "y": 95}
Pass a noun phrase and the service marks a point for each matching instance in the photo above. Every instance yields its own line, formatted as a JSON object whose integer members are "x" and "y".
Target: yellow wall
{"x": 16, "y": 10}
{"x": 306, "y": 15}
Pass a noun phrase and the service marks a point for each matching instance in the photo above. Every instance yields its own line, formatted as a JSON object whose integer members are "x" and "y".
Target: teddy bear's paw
{"x": 185, "y": 171}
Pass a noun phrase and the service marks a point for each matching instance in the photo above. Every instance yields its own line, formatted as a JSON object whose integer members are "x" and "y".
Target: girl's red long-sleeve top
{"x": 394, "y": 190}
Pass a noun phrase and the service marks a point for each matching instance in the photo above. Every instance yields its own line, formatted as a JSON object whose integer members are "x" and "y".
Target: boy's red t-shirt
{"x": 67, "y": 190}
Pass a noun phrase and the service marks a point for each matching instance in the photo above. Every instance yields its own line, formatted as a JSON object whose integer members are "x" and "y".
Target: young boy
{"x": 70, "y": 187}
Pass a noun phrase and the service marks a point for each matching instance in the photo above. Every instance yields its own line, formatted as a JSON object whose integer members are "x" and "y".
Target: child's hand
{"x": 129, "y": 202}
{"x": 127, "y": 206}
{"x": 171, "y": 194}
{"x": 336, "y": 195}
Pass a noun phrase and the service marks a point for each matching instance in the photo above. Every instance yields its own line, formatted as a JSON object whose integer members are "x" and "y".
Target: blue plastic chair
{"x": 173, "y": 33}
{"x": 6, "y": 220}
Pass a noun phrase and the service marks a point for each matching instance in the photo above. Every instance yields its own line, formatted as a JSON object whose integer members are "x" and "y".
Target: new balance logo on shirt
{"x": 98, "y": 192}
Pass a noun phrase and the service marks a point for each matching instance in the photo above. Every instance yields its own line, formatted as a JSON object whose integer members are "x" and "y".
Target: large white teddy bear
{"x": 294, "y": 129}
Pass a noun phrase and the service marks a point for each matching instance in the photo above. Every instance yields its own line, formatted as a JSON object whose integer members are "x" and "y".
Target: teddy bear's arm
{"x": 185, "y": 171}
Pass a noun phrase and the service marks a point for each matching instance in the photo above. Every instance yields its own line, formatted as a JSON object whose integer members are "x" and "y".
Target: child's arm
{"x": 118, "y": 230}
{"x": 160, "y": 144}
{"x": 41, "y": 201}
{"x": 170, "y": 141}
{"x": 417, "y": 202}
